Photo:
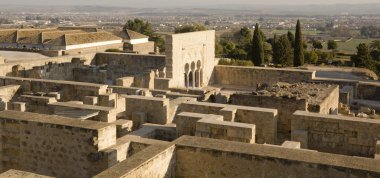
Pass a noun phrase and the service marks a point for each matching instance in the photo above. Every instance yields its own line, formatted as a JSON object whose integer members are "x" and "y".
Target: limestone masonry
{"x": 90, "y": 113}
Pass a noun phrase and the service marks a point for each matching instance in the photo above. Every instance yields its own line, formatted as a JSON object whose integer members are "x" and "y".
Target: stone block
{"x": 377, "y": 147}
{"x": 123, "y": 127}
{"x": 108, "y": 100}
{"x": 125, "y": 81}
{"x": 300, "y": 136}
{"x": 56, "y": 95}
{"x": 291, "y": 144}
{"x": 90, "y": 100}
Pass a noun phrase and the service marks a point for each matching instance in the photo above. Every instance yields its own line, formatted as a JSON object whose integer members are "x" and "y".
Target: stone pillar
{"x": 193, "y": 81}
{"x": 197, "y": 78}
{"x": 228, "y": 114}
{"x": 300, "y": 136}
{"x": 187, "y": 84}
{"x": 377, "y": 150}
{"x": 19, "y": 106}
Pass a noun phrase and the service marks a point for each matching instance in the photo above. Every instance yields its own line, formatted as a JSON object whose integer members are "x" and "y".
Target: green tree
{"x": 298, "y": 46}
{"x": 190, "y": 28}
{"x": 332, "y": 45}
{"x": 362, "y": 57}
{"x": 276, "y": 52}
{"x": 375, "y": 45}
{"x": 317, "y": 44}
{"x": 283, "y": 52}
{"x": 311, "y": 57}
{"x": 291, "y": 38}
{"x": 140, "y": 26}
{"x": 257, "y": 47}
{"x": 244, "y": 36}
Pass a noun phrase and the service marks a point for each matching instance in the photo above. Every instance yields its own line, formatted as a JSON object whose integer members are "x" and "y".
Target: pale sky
{"x": 163, "y": 3}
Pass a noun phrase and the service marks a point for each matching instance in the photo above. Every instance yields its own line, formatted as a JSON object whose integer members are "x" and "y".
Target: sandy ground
{"x": 21, "y": 56}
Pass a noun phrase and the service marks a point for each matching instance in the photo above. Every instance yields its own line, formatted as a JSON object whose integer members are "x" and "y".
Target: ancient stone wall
{"x": 330, "y": 104}
{"x": 123, "y": 62}
{"x": 53, "y": 145}
{"x": 70, "y": 91}
{"x": 369, "y": 91}
{"x": 337, "y": 134}
{"x": 219, "y": 129}
{"x": 155, "y": 161}
{"x": 156, "y": 109}
{"x": 7, "y": 68}
{"x": 252, "y": 76}
{"x": 190, "y": 59}
{"x": 264, "y": 119}
{"x": 6, "y": 95}
{"x": 200, "y": 157}
{"x": 286, "y": 107}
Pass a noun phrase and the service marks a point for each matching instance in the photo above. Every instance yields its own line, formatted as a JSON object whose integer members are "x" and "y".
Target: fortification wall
{"x": 337, "y": 134}
{"x": 252, "y": 76}
{"x": 52, "y": 145}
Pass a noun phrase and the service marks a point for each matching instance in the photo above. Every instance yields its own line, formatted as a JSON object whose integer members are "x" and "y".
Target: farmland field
{"x": 350, "y": 45}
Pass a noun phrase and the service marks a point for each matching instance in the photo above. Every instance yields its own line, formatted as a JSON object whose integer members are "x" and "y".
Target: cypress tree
{"x": 298, "y": 47}
{"x": 258, "y": 47}
{"x": 276, "y": 52}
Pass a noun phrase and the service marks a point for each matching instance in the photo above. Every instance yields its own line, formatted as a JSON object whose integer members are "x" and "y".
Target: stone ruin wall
{"x": 216, "y": 158}
{"x": 286, "y": 108}
{"x": 252, "y": 76}
{"x": 54, "y": 146}
{"x": 266, "y": 120}
{"x": 337, "y": 134}
{"x": 70, "y": 91}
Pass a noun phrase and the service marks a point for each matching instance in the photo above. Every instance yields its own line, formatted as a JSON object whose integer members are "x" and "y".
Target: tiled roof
{"x": 54, "y": 37}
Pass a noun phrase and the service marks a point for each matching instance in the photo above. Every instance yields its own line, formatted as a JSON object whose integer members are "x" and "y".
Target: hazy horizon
{"x": 179, "y": 3}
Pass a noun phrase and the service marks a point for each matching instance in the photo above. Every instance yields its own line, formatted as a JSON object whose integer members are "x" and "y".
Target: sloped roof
{"x": 82, "y": 28}
{"x": 83, "y": 38}
{"x": 49, "y": 36}
{"x": 8, "y": 36}
{"x": 30, "y": 36}
{"x": 130, "y": 34}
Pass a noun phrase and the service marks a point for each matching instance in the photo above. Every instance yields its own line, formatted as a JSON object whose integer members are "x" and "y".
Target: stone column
{"x": 193, "y": 79}
{"x": 187, "y": 84}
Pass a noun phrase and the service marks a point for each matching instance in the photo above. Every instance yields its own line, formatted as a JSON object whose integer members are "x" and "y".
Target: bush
{"x": 114, "y": 50}
{"x": 233, "y": 62}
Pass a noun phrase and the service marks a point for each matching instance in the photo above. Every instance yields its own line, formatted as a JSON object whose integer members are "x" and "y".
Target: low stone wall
{"x": 201, "y": 157}
{"x": 69, "y": 90}
{"x": 52, "y": 145}
{"x": 252, "y": 76}
{"x": 219, "y": 129}
{"x": 6, "y": 94}
{"x": 154, "y": 161}
{"x": 337, "y": 134}
{"x": 369, "y": 91}
{"x": 156, "y": 109}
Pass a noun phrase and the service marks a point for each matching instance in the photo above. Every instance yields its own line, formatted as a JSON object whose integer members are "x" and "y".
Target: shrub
{"x": 113, "y": 50}
{"x": 234, "y": 62}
